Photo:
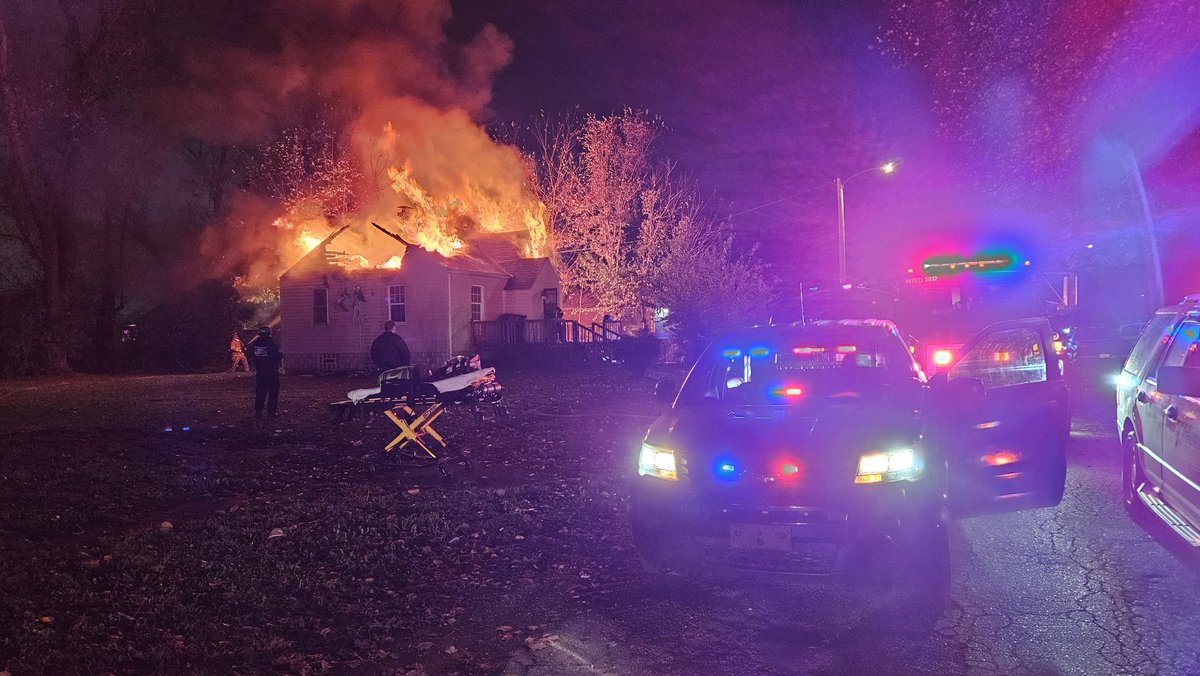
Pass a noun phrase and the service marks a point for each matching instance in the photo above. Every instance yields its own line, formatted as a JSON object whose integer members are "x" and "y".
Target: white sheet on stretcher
{"x": 453, "y": 384}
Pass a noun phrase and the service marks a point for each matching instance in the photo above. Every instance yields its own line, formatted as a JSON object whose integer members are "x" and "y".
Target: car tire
{"x": 1132, "y": 476}
{"x": 1057, "y": 476}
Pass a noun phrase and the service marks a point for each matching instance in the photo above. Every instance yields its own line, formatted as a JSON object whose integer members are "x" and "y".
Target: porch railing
{"x": 539, "y": 331}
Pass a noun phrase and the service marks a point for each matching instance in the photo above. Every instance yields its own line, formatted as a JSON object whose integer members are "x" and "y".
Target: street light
{"x": 885, "y": 168}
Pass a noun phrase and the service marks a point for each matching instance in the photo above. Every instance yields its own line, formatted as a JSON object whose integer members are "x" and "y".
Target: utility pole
{"x": 841, "y": 199}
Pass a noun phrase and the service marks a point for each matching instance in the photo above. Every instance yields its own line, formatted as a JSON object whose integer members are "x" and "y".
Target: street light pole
{"x": 886, "y": 168}
{"x": 841, "y": 199}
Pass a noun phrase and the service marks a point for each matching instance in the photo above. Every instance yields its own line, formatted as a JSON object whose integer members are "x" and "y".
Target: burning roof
{"x": 493, "y": 254}
{"x": 432, "y": 179}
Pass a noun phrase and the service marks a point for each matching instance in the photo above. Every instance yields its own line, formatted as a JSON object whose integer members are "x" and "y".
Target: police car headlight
{"x": 657, "y": 462}
{"x": 901, "y": 464}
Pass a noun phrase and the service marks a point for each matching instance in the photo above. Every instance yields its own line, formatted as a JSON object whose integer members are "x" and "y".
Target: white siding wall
{"x": 351, "y": 326}
{"x": 460, "y": 307}
{"x": 350, "y": 331}
{"x": 428, "y": 320}
{"x": 528, "y": 302}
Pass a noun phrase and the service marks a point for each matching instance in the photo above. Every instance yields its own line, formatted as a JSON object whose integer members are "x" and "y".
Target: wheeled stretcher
{"x": 413, "y": 404}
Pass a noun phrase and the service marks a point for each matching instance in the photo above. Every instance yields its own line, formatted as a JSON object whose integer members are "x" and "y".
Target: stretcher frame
{"x": 418, "y": 443}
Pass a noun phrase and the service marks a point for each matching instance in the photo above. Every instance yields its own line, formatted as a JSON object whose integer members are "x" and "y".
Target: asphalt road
{"x": 1076, "y": 589}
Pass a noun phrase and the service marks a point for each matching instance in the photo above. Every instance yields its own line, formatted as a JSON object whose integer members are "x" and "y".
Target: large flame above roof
{"x": 435, "y": 178}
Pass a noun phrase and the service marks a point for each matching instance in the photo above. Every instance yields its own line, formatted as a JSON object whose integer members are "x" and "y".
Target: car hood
{"x": 821, "y": 440}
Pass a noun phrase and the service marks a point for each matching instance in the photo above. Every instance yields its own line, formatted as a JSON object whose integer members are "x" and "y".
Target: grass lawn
{"x": 378, "y": 570}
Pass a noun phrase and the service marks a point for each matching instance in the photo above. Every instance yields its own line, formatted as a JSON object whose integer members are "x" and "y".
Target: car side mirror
{"x": 666, "y": 389}
{"x": 1179, "y": 380}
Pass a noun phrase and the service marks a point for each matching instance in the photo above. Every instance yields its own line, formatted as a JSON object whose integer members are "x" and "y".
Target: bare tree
{"x": 634, "y": 236}
{"x": 310, "y": 162}
{"x": 219, "y": 167}
{"x": 51, "y": 111}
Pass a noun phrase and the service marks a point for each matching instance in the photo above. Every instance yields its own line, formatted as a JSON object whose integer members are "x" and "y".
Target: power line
{"x": 782, "y": 199}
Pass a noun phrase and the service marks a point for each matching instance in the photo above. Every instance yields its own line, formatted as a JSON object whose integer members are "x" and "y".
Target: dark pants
{"x": 266, "y": 389}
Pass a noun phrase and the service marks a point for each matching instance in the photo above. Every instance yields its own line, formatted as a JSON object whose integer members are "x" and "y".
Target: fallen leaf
{"x": 165, "y": 527}
{"x": 424, "y": 645}
{"x": 450, "y": 650}
{"x": 45, "y": 619}
{"x": 275, "y": 533}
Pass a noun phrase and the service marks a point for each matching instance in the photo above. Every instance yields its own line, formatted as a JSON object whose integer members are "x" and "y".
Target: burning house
{"x": 433, "y": 226}
{"x": 333, "y": 303}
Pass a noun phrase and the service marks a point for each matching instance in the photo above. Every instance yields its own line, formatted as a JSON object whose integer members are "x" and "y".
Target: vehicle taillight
{"x": 942, "y": 357}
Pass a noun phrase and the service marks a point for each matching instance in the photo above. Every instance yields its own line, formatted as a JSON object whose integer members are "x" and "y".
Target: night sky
{"x": 1012, "y": 123}
{"x": 1026, "y": 125}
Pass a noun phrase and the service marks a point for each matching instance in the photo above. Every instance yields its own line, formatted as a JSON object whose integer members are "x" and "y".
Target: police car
{"x": 823, "y": 448}
{"x": 1158, "y": 418}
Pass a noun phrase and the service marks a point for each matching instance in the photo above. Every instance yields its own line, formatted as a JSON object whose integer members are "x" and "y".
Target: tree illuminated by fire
{"x": 635, "y": 237}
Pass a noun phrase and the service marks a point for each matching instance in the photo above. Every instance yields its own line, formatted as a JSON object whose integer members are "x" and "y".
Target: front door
{"x": 550, "y": 303}
{"x": 1006, "y": 420}
{"x": 1181, "y": 429}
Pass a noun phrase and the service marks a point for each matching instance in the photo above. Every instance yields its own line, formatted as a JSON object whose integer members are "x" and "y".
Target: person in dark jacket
{"x": 389, "y": 350}
{"x": 267, "y": 359}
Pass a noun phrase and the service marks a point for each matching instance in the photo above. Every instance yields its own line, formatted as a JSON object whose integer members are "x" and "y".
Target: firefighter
{"x": 237, "y": 354}
{"x": 389, "y": 350}
{"x": 267, "y": 359}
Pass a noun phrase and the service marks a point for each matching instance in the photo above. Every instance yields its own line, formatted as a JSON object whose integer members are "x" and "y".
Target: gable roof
{"x": 523, "y": 272}
{"x": 500, "y": 247}
{"x": 460, "y": 262}
{"x": 316, "y": 254}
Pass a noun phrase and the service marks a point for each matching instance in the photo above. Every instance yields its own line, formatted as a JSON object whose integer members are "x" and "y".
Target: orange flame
{"x": 439, "y": 212}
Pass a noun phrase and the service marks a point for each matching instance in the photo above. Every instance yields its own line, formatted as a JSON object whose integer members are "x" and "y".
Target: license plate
{"x": 759, "y": 536}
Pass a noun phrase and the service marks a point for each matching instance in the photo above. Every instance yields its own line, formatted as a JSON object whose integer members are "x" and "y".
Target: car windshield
{"x": 798, "y": 365}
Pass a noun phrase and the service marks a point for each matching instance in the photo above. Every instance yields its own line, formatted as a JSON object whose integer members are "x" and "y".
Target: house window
{"x": 320, "y": 306}
{"x": 476, "y": 303}
{"x": 396, "y": 303}
{"x": 328, "y": 361}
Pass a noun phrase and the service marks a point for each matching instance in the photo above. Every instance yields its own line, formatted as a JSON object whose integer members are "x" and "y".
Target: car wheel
{"x": 1132, "y": 475}
{"x": 1057, "y": 476}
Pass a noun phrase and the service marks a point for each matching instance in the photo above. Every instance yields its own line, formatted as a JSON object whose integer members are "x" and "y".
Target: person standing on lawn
{"x": 389, "y": 351}
{"x": 267, "y": 359}
{"x": 237, "y": 354}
